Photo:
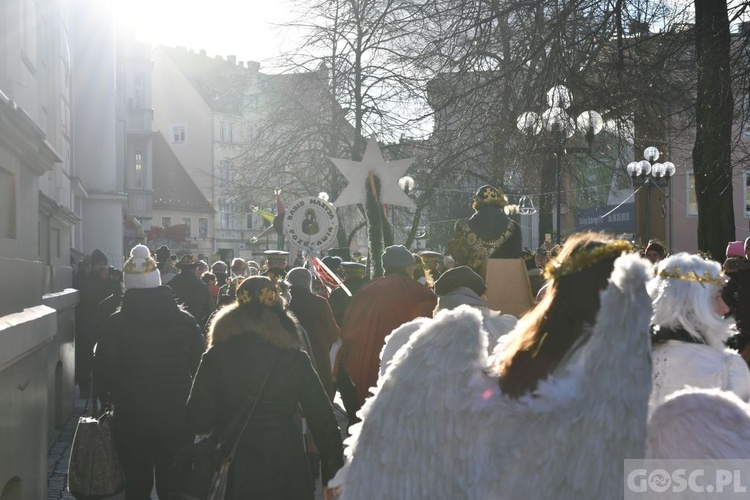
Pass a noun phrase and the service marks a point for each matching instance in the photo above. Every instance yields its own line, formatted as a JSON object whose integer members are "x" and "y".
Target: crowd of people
{"x": 441, "y": 393}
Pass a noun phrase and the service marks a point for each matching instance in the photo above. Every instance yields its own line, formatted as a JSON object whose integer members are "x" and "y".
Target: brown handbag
{"x": 94, "y": 469}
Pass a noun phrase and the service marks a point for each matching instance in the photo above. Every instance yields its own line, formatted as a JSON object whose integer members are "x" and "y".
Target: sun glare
{"x": 221, "y": 27}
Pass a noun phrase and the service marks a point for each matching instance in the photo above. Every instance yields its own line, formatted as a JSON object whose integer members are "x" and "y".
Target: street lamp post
{"x": 406, "y": 183}
{"x": 557, "y": 122}
{"x": 648, "y": 173}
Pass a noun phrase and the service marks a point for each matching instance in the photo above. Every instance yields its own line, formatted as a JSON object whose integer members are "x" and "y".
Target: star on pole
{"x": 357, "y": 173}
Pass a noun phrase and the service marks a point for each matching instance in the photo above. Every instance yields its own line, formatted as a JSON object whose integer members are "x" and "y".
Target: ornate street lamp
{"x": 406, "y": 184}
{"x": 555, "y": 120}
{"x": 648, "y": 173}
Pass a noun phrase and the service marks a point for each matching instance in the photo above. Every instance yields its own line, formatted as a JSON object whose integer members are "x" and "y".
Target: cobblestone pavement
{"x": 59, "y": 453}
{"x": 57, "y": 457}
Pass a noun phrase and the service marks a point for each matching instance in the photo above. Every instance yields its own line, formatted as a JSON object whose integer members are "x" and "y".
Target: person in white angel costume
{"x": 690, "y": 329}
{"x": 698, "y": 406}
{"x": 553, "y": 418}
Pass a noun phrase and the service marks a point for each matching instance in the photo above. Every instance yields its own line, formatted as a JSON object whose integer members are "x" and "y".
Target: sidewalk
{"x": 59, "y": 453}
{"x": 57, "y": 457}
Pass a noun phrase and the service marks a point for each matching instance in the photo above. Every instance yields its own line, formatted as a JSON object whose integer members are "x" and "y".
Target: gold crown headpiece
{"x": 675, "y": 273}
{"x": 491, "y": 196}
{"x": 266, "y": 296}
{"x": 584, "y": 259}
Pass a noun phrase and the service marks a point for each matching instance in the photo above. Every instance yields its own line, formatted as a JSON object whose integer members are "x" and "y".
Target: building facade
{"x": 240, "y": 134}
{"x": 39, "y": 215}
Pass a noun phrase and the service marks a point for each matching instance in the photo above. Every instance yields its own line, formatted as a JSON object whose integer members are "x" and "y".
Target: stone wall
{"x": 24, "y": 358}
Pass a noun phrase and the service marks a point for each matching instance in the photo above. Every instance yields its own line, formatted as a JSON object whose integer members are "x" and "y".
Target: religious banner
{"x": 310, "y": 223}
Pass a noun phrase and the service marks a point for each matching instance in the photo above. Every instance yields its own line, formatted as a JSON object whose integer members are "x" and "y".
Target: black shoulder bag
{"x": 200, "y": 470}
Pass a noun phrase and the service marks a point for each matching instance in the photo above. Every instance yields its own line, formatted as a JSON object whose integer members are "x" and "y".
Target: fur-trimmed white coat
{"x": 439, "y": 427}
{"x": 678, "y": 365}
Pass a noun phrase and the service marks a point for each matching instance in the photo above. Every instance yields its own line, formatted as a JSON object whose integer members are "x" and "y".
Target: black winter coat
{"x": 147, "y": 354}
{"x": 340, "y": 300}
{"x": 191, "y": 292}
{"x": 270, "y": 462}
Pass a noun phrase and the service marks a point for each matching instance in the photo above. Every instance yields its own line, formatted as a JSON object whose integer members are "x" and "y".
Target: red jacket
{"x": 378, "y": 308}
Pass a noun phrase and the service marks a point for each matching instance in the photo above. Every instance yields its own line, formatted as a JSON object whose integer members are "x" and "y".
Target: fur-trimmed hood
{"x": 236, "y": 320}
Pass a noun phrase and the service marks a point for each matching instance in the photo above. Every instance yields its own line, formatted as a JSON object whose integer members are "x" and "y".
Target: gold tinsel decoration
{"x": 706, "y": 277}
{"x": 579, "y": 261}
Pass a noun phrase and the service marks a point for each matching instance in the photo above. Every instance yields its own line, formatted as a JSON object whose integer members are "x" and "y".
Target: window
{"x": 252, "y": 103}
{"x": 64, "y": 116}
{"x": 226, "y": 132}
{"x": 692, "y": 201}
{"x": 179, "y": 134}
{"x": 202, "y": 228}
{"x": 29, "y": 33}
{"x": 223, "y": 214}
{"x": 7, "y": 204}
{"x": 137, "y": 91}
{"x": 186, "y": 221}
{"x": 249, "y": 224}
{"x": 746, "y": 116}
{"x": 139, "y": 169}
{"x": 747, "y": 194}
{"x": 166, "y": 222}
{"x": 55, "y": 242}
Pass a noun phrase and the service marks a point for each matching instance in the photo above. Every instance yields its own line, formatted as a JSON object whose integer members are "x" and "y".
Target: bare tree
{"x": 470, "y": 68}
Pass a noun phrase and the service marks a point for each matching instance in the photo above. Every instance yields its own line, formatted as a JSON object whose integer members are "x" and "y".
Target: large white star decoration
{"x": 388, "y": 172}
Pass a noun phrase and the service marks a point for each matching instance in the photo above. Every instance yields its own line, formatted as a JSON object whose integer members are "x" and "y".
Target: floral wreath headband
{"x": 266, "y": 296}
{"x": 675, "y": 273}
{"x": 579, "y": 261}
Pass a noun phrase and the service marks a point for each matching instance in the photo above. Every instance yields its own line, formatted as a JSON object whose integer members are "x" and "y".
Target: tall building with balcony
{"x": 134, "y": 150}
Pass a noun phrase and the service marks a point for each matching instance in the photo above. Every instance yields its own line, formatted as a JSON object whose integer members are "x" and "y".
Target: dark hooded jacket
{"x": 270, "y": 462}
{"x": 191, "y": 292}
{"x": 147, "y": 353}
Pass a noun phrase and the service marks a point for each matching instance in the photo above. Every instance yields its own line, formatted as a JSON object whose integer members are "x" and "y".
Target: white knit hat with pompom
{"x": 140, "y": 270}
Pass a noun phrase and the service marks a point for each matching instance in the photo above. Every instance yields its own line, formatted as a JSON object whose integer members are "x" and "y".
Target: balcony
{"x": 139, "y": 121}
{"x": 140, "y": 202}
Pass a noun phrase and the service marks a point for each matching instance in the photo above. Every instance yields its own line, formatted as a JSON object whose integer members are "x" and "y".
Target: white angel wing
{"x": 438, "y": 426}
{"x": 411, "y": 442}
{"x": 700, "y": 424}
{"x": 573, "y": 432}
{"x": 396, "y": 340}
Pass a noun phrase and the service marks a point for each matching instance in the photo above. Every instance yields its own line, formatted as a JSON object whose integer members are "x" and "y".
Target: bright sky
{"x": 222, "y": 27}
